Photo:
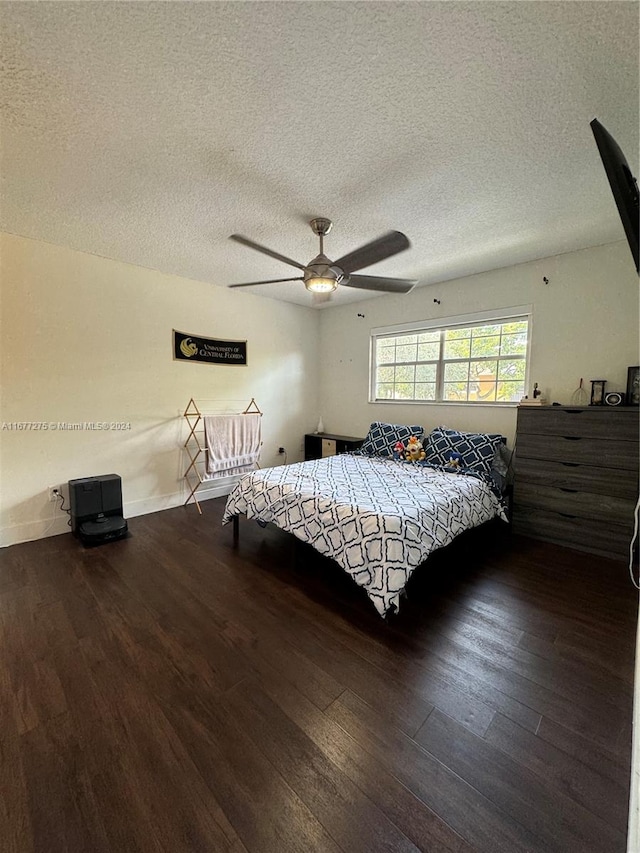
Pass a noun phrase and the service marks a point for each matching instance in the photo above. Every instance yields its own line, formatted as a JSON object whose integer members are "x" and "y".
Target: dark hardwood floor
{"x": 172, "y": 692}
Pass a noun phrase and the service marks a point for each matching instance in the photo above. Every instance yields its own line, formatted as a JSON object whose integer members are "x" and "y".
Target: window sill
{"x": 475, "y": 405}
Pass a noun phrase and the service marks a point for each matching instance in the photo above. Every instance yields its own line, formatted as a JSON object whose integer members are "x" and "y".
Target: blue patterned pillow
{"x": 476, "y": 449}
{"x": 382, "y": 438}
{"x": 492, "y": 436}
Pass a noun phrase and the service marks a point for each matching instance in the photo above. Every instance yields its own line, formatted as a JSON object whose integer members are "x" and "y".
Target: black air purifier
{"x": 96, "y": 509}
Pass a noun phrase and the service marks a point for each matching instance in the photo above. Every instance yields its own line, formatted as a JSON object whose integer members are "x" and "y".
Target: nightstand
{"x": 317, "y": 445}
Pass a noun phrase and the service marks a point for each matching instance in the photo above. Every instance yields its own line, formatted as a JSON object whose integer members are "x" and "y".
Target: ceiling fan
{"x": 322, "y": 275}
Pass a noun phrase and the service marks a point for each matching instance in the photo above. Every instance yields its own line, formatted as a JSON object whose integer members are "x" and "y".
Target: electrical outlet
{"x": 54, "y": 492}
{"x": 281, "y": 450}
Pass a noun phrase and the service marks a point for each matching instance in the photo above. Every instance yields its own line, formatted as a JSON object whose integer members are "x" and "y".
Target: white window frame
{"x": 499, "y": 315}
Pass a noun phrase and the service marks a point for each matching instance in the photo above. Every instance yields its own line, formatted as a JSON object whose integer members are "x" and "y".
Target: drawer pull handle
{"x": 574, "y": 411}
{"x": 571, "y": 464}
{"x": 566, "y": 515}
{"x": 563, "y": 489}
{"x": 572, "y": 437}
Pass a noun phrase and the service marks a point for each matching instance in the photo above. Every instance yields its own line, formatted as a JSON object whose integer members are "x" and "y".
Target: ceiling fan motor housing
{"x": 320, "y": 268}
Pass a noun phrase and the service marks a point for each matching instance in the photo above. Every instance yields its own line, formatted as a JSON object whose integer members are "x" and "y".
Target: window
{"x": 456, "y": 362}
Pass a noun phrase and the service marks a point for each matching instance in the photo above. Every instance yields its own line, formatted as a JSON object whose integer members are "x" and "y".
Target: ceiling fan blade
{"x": 246, "y": 242}
{"x": 377, "y": 250}
{"x": 269, "y": 281}
{"x": 384, "y": 285}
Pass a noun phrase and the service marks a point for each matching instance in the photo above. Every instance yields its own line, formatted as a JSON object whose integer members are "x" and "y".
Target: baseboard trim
{"x": 633, "y": 834}
{"x": 29, "y": 531}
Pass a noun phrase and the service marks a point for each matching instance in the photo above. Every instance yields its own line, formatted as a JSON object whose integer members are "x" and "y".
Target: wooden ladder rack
{"x": 196, "y": 452}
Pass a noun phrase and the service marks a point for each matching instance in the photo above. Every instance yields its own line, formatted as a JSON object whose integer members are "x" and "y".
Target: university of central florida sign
{"x": 208, "y": 350}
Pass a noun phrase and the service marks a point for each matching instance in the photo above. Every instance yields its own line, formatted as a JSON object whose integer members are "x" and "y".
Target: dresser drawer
{"x": 592, "y": 422}
{"x": 598, "y": 537}
{"x": 581, "y": 504}
{"x": 328, "y": 447}
{"x": 612, "y": 453}
{"x": 573, "y": 475}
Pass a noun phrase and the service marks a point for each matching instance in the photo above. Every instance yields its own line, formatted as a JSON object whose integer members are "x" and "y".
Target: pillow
{"x": 477, "y": 449}
{"x": 382, "y": 438}
{"x": 502, "y": 454}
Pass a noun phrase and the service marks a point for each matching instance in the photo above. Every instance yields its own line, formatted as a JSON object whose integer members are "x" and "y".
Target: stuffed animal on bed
{"x": 414, "y": 452}
{"x": 454, "y": 460}
{"x": 398, "y": 450}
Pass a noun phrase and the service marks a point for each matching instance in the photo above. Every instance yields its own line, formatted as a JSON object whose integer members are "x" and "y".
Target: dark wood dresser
{"x": 576, "y": 476}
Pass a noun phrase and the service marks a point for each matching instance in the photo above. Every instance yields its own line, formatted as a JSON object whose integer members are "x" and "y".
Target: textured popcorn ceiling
{"x": 149, "y": 132}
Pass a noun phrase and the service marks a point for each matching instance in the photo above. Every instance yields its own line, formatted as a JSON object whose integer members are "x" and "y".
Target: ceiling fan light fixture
{"x": 320, "y": 284}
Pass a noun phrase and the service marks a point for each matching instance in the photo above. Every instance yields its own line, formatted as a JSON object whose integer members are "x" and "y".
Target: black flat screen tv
{"x": 623, "y": 185}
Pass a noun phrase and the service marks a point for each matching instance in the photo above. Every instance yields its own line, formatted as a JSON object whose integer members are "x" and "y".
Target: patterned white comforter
{"x": 377, "y": 518}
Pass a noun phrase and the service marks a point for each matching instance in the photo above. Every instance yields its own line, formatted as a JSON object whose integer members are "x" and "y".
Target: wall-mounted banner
{"x": 208, "y": 350}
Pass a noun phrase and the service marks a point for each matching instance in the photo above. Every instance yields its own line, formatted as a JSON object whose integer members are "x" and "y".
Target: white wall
{"x": 89, "y": 339}
{"x": 585, "y": 324}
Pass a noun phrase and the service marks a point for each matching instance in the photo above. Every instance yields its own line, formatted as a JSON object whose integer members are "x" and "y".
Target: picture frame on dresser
{"x": 633, "y": 386}
{"x": 597, "y": 392}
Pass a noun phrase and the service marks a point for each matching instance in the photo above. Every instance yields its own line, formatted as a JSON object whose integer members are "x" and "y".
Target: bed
{"x": 377, "y": 516}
